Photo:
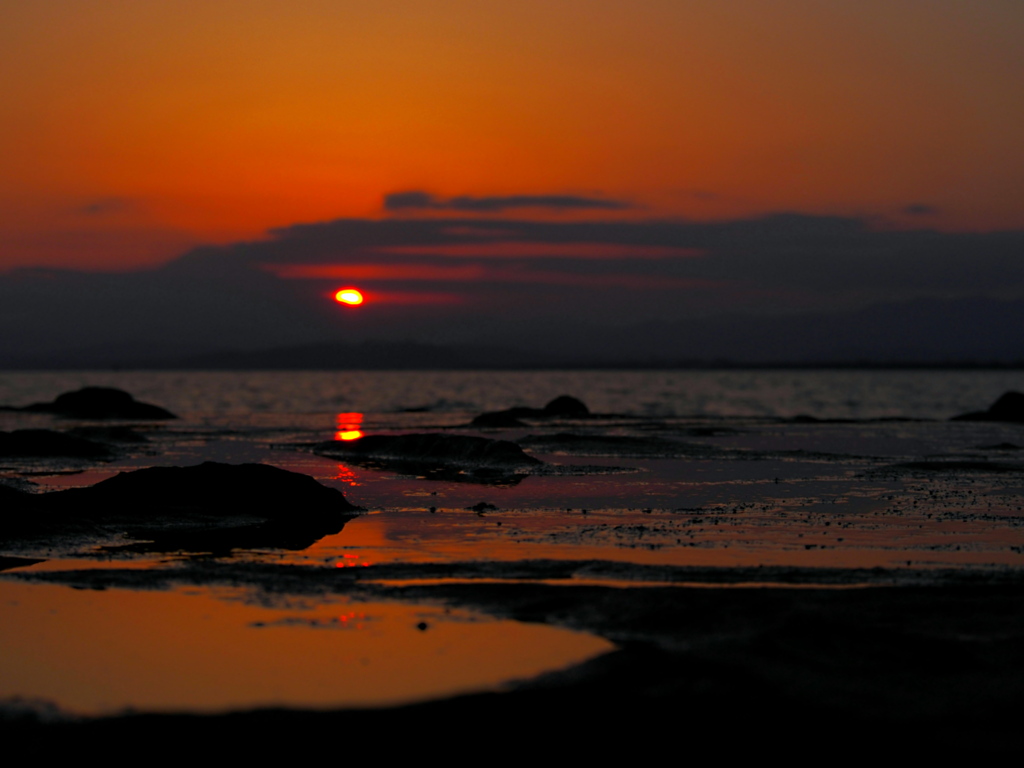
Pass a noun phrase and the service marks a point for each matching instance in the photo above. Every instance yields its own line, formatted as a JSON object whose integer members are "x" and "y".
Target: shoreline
{"x": 768, "y": 584}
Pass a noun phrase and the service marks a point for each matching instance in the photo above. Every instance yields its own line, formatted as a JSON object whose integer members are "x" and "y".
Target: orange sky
{"x": 130, "y": 131}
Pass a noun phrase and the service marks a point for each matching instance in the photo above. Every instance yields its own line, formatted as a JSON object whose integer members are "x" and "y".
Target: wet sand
{"x": 770, "y": 587}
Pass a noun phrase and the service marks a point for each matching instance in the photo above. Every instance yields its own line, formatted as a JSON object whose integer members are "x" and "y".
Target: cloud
{"x": 402, "y": 201}
{"x": 823, "y": 258}
{"x": 419, "y": 200}
{"x": 494, "y": 279}
{"x": 521, "y": 249}
{"x": 920, "y": 209}
{"x": 482, "y": 275}
{"x": 770, "y": 264}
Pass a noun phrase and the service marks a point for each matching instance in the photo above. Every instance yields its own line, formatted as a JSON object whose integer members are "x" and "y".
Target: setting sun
{"x": 349, "y": 296}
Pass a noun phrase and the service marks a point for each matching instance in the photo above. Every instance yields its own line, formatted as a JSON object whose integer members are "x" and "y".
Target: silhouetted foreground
{"x": 1009, "y": 407}
{"x": 46, "y": 442}
{"x": 434, "y": 449}
{"x": 100, "y": 403}
{"x": 813, "y": 673}
{"x": 209, "y": 506}
{"x": 459, "y": 458}
{"x": 718, "y": 662}
{"x": 562, "y": 407}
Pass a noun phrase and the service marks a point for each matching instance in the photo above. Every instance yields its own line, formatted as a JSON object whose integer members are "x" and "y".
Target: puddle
{"x": 204, "y": 650}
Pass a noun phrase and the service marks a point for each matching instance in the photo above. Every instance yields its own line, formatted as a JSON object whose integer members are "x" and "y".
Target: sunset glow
{"x": 133, "y": 130}
{"x": 225, "y": 174}
{"x": 559, "y": 319}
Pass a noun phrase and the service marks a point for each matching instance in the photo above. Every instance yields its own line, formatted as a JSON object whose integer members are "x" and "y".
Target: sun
{"x": 349, "y": 296}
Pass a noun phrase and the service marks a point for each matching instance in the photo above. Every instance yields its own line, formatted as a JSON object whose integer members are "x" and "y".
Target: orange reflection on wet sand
{"x": 95, "y": 652}
{"x": 350, "y": 560}
{"x": 631, "y": 536}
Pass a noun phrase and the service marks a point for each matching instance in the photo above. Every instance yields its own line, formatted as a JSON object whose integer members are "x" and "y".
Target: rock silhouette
{"x": 436, "y": 456}
{"x": 566, "y": 406}
{"x": 110, "y": 434}
{"x": 432, "y": 448}
{"x": 497, "y": 419}
{"x": 1009, "y": 407}
{"x": 101, "y": 403}
{"x": 562, "y": 407}
{"x": 38, "y": 443}
{"x": 211, "y": 506}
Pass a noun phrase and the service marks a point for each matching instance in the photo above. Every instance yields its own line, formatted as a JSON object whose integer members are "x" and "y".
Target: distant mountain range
{"x": 919, "y": 333}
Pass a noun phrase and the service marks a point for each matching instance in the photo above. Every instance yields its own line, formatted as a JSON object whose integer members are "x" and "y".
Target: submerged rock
{"x": 209, "y": 506}
{"x": 615, "y": 445}
{"x": 12, "y": 500}
{"x": 101, "y": 403}
{"x": 7, "y": 562}
{"x": 36, "y": 443}
{"x": 1009, "y": 407}
{"x": 954, "y": 465}
{"x": 109, "y": 434}
{"x": 497, "y": 419}
{"x": 457, "y": 458}
{"x": 566, "y": 406}
{"x": 433, "y": 448}
{"x": 562, "y": 407}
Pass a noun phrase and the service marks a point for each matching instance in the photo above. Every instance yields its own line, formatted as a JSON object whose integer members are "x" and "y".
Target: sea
{"x": 822, "y": 394}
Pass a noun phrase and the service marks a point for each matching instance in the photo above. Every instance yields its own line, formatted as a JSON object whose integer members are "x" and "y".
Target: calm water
{"x": 823, "y": 394}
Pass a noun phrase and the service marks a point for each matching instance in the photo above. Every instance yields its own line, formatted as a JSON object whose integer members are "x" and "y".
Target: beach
{"x": 746, "y": 561}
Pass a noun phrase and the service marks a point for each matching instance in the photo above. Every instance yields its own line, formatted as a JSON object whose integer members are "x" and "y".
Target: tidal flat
{"x": 652, "y": 577}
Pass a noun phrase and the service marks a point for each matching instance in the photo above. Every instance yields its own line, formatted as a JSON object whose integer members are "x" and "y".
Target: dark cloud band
{"x": 419, "y": 200}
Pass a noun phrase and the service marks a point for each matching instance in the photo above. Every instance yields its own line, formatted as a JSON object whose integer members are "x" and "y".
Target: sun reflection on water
{"x": 347, "y": 426}
{"x": 347, "y": 476}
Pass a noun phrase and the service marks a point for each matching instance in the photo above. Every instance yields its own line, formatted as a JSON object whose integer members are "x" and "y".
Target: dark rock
{"x": 615, "y": 445}
{"x": 433, "y": 448}
{"x": 498, "y": 419}
{"x": 1009, "y": 407}
{"x": 13, "y": 500}
{"x": 7, "y": 562}
{"x": 566, "y": 406}
{"x": 101, "y": 403}
{"x": 562, "y": 407}
{"x": 215, "y": 489}
{"x": 109, "y": 434}
{"x": 207, "y": 507}
{"x": 47, "y": 443}
{"x": 454, "y": 458}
